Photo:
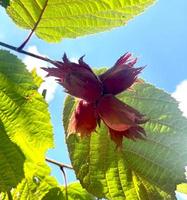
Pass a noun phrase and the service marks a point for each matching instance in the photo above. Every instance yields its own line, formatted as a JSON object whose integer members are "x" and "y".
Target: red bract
{"x": 77, "y": 79}
{"x": 121, "y": 76}
{"x": 84, "y": 119}
{"x": 118, "y": 115}
{"x": 97, "y": 97}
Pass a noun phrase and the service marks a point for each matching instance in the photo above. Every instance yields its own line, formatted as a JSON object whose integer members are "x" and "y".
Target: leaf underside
{"x": 47, "y": 189}
{"x": 70, "y": 19}
{"x": 143, "y": 170}
{"x": 11, "y": 162}
{"x": 25, "y": 127}
{"x": 74, "y": 190}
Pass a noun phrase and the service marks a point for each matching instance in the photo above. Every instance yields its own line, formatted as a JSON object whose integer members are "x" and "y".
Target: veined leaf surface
{"x": 144, "y": 169}
{"x": 24, "y": 120}
{"x": 69, "y": 19}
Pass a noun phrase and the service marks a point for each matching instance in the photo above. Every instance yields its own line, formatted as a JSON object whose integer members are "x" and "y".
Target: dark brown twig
{"x": 34, "y": 28}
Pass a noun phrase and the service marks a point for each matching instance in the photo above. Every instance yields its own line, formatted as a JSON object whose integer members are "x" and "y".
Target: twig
{"x": 34, "y": 28}
{"x": 59, "y": 164}
{"x": 65, "y": 182}
{"x": 26, "y": 52}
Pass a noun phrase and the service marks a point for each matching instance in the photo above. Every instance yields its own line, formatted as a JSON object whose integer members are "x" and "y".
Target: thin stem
{"x": 9, "y": 195}
{"x": 59, "y": 164}
{"x": 34, "y": 28}
{"x": 65, "y": 182}
{"x": 26, "y": 52}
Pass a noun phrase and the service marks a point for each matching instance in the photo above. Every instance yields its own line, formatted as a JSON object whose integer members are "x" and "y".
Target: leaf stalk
{"x": 34, "y": 28}
{"x": 26, "y": 53}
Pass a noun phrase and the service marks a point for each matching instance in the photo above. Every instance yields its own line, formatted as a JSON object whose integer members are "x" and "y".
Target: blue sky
{"x": 158, "y": 38}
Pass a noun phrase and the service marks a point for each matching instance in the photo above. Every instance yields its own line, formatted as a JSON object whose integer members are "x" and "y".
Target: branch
{"x": 26, "y": 53}
{"x": 34, "y": 28}
{"x": 59, "y": 164}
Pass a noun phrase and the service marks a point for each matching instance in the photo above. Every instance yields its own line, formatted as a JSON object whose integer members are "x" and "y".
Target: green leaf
{"x": 3, "y": 196}
{"x": 69, "y": 19}
{"x": 182, "y": 188}
{"x": 11, "y": 162}
{"x": 24, "y": 112}
{"x": 37, "y": 79}
{"x": 25, "y": 121}
{"x": 54, "y": 193}
{"x": 75, "y": 191}
{"x": 4, "y": 3}
{"x": 33, "y": 188}
{"x": 144, "y": 169}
